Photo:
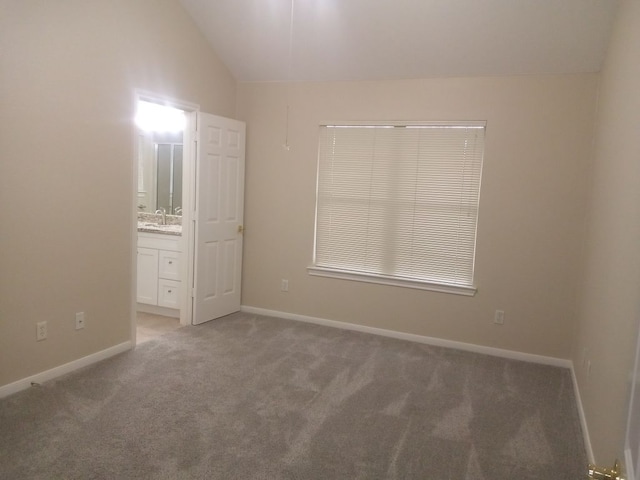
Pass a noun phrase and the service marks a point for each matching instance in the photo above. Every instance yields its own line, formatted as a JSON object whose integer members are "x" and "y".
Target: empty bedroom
{"x": 376, "y": 240}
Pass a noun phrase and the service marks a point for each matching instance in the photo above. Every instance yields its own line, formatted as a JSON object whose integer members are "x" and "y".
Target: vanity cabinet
{"x": 147, "y": 290}
{"x": 168, "y": 279}
{"x": 159, "y": 258}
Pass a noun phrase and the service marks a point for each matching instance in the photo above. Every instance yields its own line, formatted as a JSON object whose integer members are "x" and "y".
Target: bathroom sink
{"x": 156, "y": 228}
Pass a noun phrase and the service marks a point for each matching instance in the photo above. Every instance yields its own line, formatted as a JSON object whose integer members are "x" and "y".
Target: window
{"x": 398, "y": 204}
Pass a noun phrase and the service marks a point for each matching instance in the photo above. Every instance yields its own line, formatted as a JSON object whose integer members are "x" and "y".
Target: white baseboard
{"x": 583, "y": 418}
{"x": 439, "y": 342}
{"x": 41, "y": 377}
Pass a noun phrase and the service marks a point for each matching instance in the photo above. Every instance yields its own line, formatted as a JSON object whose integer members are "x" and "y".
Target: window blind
{"x": 399, "y": 201}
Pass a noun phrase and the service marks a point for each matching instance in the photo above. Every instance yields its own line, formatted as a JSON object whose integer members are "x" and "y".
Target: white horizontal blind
{"x": 399, "y": 200}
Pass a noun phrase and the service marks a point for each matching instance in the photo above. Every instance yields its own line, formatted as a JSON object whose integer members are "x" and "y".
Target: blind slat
{"x": 399, "y": 201}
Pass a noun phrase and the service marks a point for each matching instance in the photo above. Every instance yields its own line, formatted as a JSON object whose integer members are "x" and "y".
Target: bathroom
{"x": 159, "y": 213}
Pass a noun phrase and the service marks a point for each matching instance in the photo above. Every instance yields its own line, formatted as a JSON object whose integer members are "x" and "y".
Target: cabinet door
{"x": 168, "y": 293}
{"x": 169, "y": 265}
{"x": 147, "y": 291}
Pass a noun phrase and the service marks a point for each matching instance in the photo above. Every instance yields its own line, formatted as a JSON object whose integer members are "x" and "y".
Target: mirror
{"x": 160, "y": 172}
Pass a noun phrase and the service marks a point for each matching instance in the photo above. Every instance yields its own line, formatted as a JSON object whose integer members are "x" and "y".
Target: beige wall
{"x": 68, "y": 72}
{"x": 532, "y": 207}
{"x": 609, "y": 309}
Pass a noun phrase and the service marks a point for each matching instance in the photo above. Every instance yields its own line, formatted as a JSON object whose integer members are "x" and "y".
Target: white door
{"x": 219, "y": 204}
{"x": 632, "y": 440}
{"x": 630, "y": 467}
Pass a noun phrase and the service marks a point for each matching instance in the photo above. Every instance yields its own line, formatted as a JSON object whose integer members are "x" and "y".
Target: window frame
{"x": 397, "y": 280}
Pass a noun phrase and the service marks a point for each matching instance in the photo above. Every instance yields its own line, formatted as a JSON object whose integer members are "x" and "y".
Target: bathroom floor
{"x": 150, "y": 326}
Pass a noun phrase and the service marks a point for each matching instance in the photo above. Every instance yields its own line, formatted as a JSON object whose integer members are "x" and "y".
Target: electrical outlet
{"x": 498, "y": 318}
{"x": 41, "y": 331}
{"x": 79, "y": 320}
{"x": 284, "y": 285}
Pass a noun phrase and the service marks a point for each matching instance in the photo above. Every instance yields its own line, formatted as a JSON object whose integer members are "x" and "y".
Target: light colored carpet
{"x": 249, "y": 397}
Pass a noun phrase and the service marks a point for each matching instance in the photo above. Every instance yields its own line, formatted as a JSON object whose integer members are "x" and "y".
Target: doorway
{"x": 161, "y": 232}
{"x": 196, "y": 274}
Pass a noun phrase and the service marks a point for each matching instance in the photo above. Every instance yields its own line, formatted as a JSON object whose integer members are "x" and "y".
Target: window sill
{"x": 392, "y": 281}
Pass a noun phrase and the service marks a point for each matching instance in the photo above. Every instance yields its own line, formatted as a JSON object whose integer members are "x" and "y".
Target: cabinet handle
{"x": 169, "y": 291}
{"x": 170, "y": 262}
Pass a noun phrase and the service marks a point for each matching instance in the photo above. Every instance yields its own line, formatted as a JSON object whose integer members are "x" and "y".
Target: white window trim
{"x": 417, "y": 123}
{"x": 391, "y": 281}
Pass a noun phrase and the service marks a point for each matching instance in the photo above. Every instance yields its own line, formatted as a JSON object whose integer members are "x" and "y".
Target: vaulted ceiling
{"x": 325, "y": 40}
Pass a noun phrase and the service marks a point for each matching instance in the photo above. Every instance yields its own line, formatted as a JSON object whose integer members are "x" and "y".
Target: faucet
{"x": 163, "y": 212}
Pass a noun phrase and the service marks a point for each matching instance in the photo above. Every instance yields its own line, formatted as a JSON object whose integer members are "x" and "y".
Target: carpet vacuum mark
{"x": 251, "y": 397}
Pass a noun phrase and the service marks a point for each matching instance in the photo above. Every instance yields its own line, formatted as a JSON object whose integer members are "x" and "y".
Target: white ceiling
{"x": 394, "y": 39}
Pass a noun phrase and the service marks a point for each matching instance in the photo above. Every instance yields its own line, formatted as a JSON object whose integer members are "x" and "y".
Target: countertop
{"x": 149, "y": 227}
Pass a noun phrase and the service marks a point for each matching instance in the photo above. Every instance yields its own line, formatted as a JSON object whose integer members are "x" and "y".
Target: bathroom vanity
{"x": 159, "y": 271}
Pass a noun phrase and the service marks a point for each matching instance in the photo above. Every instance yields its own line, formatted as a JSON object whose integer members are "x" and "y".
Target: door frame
{"x": 188, "y": 180}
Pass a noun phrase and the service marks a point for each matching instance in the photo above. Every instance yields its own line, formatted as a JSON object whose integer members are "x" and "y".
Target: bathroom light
{"x": 153, "y": 117}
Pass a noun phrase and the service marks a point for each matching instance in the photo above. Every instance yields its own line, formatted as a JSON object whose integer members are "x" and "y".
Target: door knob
{"x": 240, "y": 228}
{"x": 599, "y": 473}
